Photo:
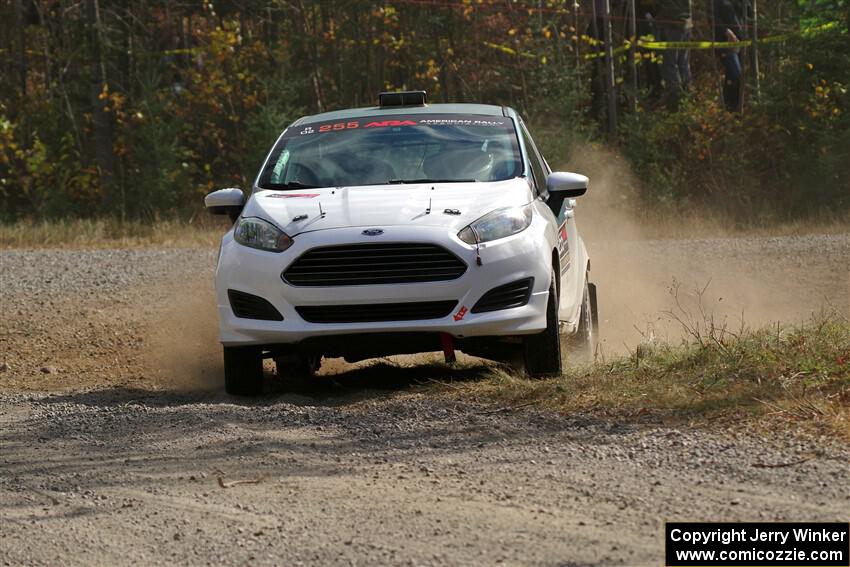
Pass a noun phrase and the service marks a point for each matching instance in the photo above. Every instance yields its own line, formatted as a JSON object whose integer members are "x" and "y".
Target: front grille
{"x": 370, "y": 264}
{"x": 247, "y": 306}
{"x": 515, "y": 294}
{"x": 376, "y": 312}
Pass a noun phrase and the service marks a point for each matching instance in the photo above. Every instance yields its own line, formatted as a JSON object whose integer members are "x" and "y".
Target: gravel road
{"x": 117, "y": 446}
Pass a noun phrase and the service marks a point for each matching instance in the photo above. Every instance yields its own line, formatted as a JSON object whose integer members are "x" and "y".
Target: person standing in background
{"x": 646, "y": 26}
{"x": 727, "y": 27}
{"x": 673, "y": 22}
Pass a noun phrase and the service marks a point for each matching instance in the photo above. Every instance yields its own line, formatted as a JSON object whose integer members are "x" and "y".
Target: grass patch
{"x": 660, "y": 222}
{"x": 199, "y": 232}
{"x": 790, "y": 373}
{"x": 205, "y": 230}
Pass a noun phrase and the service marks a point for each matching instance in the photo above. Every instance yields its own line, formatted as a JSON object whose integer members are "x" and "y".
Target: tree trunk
{"x": 22, "y": 54}
{"x": 754, "y": 51}
{"x": 610, "y": 83}
{"x": 22, "y": 71}
{"x": 102, "y": 126}
{"x": 633, "y": 70}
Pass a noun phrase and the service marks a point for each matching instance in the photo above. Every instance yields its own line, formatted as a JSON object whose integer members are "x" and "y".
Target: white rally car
{"x": 398, "y": 229}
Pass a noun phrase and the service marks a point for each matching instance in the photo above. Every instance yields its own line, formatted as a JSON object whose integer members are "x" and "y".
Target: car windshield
{"x": 418, "y": 148}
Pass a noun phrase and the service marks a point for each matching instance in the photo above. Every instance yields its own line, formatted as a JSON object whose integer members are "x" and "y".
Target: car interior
{"x": 373, "y": 158}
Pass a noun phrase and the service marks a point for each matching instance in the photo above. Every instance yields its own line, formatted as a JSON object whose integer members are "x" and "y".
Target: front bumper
{"x": 523, "y": 255}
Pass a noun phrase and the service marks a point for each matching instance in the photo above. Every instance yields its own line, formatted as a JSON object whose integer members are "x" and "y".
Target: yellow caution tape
{"x": 730, "y": 44}
{"x": 187, "y": 51}
{"x": 510, "y": 50}
{"x": 662, "y": 45}
{"x": 616, "y": 51}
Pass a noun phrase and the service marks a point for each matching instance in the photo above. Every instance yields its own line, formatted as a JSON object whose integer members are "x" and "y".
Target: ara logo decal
{"x": 461, "y": 313}
{"x": 563, "y": 241}
{"x": 387, "y": 123}
{"x": 292, "y": 195}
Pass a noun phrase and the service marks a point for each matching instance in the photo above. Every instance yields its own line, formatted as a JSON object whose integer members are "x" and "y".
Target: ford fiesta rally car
{"x": 399, "y": 229}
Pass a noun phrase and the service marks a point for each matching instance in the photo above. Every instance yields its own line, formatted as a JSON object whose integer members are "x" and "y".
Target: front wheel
{"x": 243, "y": 371}
{"x": 542, "y": 352}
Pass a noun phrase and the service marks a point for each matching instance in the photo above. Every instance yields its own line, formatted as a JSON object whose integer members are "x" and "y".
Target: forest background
{"x": 135, "y": 109}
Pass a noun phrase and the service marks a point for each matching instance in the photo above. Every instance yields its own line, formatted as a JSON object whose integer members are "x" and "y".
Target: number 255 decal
{"x": 339, "y": 126}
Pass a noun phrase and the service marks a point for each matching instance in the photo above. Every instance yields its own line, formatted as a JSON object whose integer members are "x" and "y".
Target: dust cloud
{"x": 648, "y": 268}
{"x": 182, "y": 341}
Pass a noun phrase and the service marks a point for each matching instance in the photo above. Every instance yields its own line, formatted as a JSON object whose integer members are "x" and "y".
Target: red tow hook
{"x": 448, "y": 343}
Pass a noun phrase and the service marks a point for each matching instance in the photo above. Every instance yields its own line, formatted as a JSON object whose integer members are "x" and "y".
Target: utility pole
{"x": 610, "y": 85}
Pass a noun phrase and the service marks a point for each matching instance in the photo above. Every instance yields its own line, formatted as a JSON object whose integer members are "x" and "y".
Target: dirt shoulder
{"x": 124, "y": 449}
{"x": 127, "y": 477}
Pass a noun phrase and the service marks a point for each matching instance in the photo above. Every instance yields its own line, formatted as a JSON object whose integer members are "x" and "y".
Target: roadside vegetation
{"x": 799, "y": 374}
{"x": 200, "y": 232}
{"x": 136, "y": 110}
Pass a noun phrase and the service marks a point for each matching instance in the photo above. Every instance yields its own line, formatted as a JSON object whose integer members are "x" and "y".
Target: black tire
{"x": 298, "y": 369}
{"x": 542, "y": 351}
{"x": 594, "y": 307}
{"x": 243, "y": 371}
{"x": 582, "y": 344}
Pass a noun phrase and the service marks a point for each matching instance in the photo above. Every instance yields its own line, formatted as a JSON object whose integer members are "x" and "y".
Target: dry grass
{"x": 798, "y": 375}
{"x": 200, "y": 232}
{"x": 205, "y": 230}
{"x": 663, "y": 224}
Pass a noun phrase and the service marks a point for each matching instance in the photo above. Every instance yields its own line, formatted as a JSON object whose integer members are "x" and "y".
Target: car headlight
{"x": 262, "y": 235}
{"x": 498, "y": 224}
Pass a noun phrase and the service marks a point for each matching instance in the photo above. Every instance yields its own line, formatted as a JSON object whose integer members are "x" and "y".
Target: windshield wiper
{"x": 289, "y": 185}
{"x": 428, "y": 180}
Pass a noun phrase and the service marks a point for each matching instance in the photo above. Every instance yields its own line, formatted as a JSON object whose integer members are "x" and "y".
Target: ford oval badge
{"x": 372, "y": 232}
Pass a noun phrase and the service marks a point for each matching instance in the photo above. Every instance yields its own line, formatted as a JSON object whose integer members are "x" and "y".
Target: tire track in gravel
{"x": 399, "y": 477}
{"x": 114, "y": 457}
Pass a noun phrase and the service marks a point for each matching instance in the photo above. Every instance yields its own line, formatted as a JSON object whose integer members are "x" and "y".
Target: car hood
{"x": 453, "y": 205}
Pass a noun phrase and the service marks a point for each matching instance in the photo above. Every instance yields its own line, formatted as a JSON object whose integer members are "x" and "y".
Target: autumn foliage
{"x": 136, "y": 109}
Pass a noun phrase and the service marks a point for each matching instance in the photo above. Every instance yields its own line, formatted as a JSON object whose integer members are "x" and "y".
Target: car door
{"x": 567, "y": 231}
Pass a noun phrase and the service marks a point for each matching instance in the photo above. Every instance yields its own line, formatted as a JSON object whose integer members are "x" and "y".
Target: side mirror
{"x": 566, "y": 184}
{"x": 225, "y": 202}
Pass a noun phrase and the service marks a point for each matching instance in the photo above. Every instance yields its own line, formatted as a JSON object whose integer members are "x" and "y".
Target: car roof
{"x": 455, "y": 108}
